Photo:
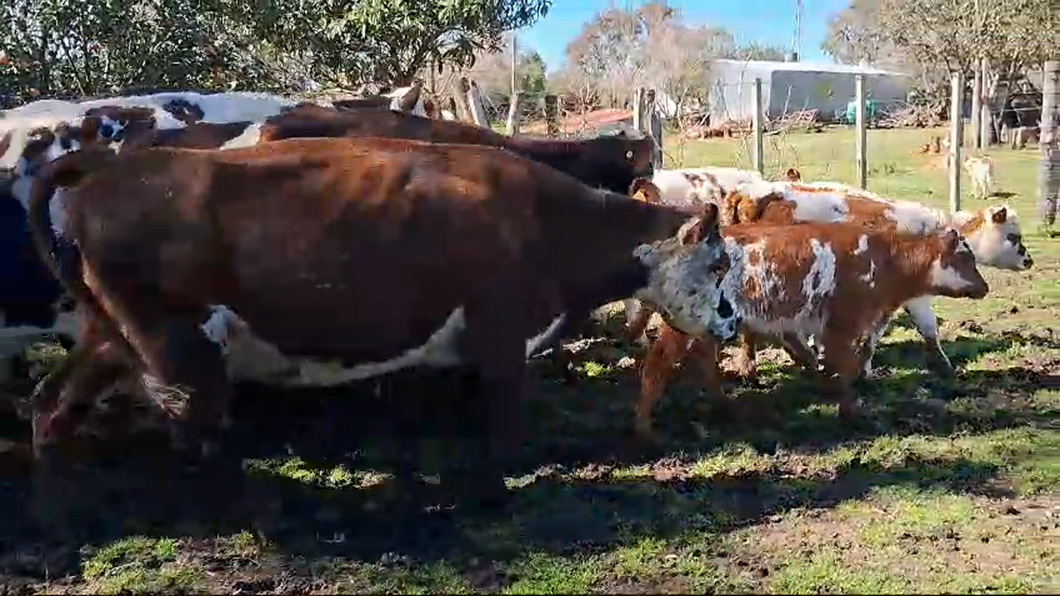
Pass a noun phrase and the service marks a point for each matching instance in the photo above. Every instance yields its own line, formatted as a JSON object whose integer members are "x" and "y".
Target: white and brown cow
{"x": 836, "y": 282}
{"x": 690, "y": 186}
{"x": 34, "y": 134}
{"x": 993, "y": 233}
{"x": 314, "y": 262}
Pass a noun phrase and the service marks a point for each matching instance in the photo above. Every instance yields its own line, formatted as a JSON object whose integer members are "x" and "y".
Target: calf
{"x": 993, "y": 234}
{"x": 315, "y": 262}
{"x": 693, "y": 186}
{"x": 837, "y": 282}
{"x": 981, "y": 171}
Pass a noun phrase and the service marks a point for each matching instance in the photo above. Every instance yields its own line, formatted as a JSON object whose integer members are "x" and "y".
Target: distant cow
{"x": 981, "y": 171}
{"x": 836, "y": 282}
{"x": 1021, "y": 112}
{"x": 315, "y": 262}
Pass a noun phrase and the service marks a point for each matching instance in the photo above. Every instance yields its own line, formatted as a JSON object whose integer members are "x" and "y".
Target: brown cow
{"x": 834, "y": 281}
{"x": 610, "y": 162}
{"x": 315, "y": 262}
{"x": 993, "y": 233}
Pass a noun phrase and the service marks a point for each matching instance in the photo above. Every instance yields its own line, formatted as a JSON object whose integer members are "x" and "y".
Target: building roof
{"x": 770, "y": 65}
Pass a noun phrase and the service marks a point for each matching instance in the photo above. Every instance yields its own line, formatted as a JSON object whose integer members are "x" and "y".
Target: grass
{"x": 949, "y": 486}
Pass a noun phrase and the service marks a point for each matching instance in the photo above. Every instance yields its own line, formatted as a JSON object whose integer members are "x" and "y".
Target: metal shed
{"x": 793, "y": 86}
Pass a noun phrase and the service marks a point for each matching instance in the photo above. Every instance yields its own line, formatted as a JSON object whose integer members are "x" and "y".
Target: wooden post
{"x": 551, "y": 115}
{"x": 1049, "y": 145}
{"x": 432, "y": 90}
{"x": 862, "y": 134}
{"x": 657, "y": 134}
{"x": 759, "y": 148}
{"x": 460, "y": 91}
{"x": 956, "y": 138}
{"x": 977, "y": 102}
{"x": 654, "y": 122}
{"x": 513, "y": 103}
{"x": 986, "y": 120}
{"x": 639, "y": 122}
{"x": 478, "y": 111}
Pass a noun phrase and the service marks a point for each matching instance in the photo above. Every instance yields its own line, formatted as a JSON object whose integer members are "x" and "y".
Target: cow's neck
{"x": 912, "y": 258}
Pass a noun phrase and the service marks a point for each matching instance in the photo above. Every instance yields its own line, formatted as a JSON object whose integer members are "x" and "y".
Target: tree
{"x": 389, "y": 41}
{"x": 532, "y": 73}
{"x": 935, "y": 37}
{"x": 757, "y": 51}
{"x": 91, "y": 47}
{"x": 620, "y": 50}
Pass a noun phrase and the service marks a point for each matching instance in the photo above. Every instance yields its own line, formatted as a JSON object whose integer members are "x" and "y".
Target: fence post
{"x": 956, "y": 138}
{"x": 478, "y": 111}
{"x": 655, "y": 125}
{"x": 551, "y": 115}
{"x": 1049, "y": 145}
{"x": 513, "y": 108}
{"x": 759, "y": 157}
{"x": 638, "y": 109}
{"x": 977, "y": 110}
{"x": 460, "y": 91}
{"x": 986, "y": 119}
{"x": 862, "y": 135}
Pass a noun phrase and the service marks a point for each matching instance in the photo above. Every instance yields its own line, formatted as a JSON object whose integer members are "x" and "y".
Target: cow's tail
{"x": 66, "y": 171}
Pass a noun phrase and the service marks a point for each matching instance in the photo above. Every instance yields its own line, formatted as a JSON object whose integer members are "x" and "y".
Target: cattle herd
{"x": 187, "y": 243}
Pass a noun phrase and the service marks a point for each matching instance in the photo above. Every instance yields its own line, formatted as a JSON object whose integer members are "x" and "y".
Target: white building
{"x": 793, "y": 86}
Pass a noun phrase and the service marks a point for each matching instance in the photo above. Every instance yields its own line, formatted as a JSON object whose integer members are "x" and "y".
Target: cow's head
{"x": 954, "y": 273}
{"x": 685, "y": 276}
{"x": 615, "y": 161}
{"x": 104, "y": 126}
{"x": 994, "y": 235}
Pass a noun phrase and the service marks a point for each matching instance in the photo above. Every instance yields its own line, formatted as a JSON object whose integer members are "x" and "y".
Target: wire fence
{"x": 789, "y": 114}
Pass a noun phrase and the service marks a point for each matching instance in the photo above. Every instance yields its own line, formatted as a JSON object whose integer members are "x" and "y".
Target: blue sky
{"x": 764, "y": 21}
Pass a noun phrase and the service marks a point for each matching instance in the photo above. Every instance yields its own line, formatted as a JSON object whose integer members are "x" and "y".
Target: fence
{"x": 763, "y": 120}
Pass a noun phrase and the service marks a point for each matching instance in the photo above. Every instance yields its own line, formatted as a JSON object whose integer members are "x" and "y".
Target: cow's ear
{"x": 709, "y": 215}
{"x": 951, "y": 240}
{"x": 693, "y": 232}
{"x": 999, "y": 215}
{"x": 702, "y": 227}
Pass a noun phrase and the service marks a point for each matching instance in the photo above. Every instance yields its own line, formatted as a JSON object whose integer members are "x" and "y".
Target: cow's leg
{"x": 494, "y": 352}
{"x": 180, "y": 361}
{"x": 668, "y": 350}
{"x": 868, "y": 348}
{"x": 63, "y": 399}
{"x": 800, "y": 353}
{"x": 61, "y": 402}
{"x": 707, "y": 351}
{"x": 637, "y": 319}
{"x": 927, "y": 325}
{"x": 746, "y": 362}
{"x": 841, "y": 366}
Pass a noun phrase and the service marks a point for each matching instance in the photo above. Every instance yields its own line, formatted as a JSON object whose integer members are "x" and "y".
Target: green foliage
{"x": 95, "y": 47}
{"x": 388, "y": 41}
{"x": 533, "y": 73}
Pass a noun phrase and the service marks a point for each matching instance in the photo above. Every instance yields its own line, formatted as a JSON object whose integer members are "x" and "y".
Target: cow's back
{"x": 378, "y": 226}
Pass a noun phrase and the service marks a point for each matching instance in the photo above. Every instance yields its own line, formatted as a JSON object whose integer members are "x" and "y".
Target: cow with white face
{"x": 992, "y": 233}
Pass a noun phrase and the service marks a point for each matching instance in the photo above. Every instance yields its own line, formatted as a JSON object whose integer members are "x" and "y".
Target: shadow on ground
{"x": 574, "y": 493}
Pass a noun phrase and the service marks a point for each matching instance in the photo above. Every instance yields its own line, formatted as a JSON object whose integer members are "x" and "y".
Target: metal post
{"x": 862, "y": 133}
{"x": 759, "y": 132}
